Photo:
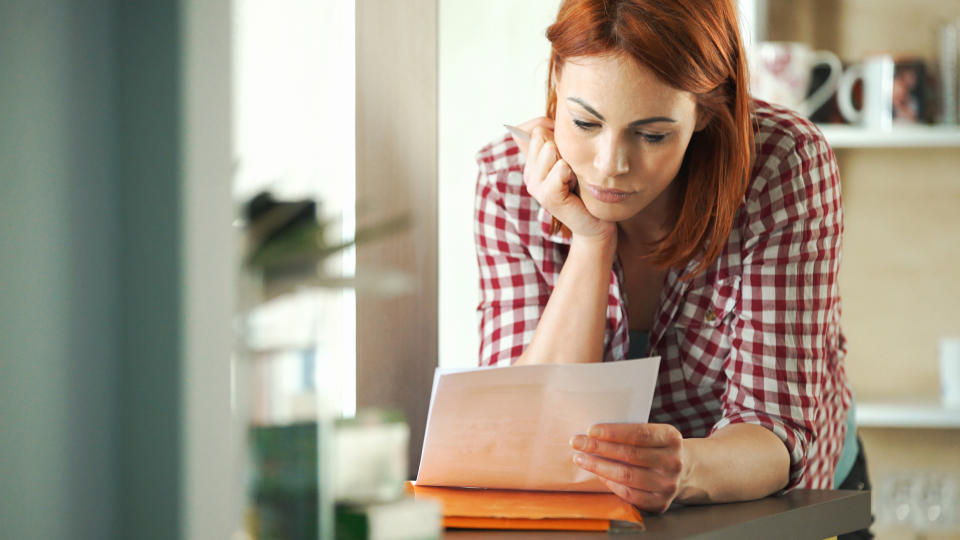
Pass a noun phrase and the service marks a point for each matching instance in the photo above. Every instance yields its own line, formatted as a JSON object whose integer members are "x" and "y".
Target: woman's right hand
{"x": 552, "y": 183}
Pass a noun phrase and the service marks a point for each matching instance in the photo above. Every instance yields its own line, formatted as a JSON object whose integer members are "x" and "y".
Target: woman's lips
{"x": 607, "y": 195}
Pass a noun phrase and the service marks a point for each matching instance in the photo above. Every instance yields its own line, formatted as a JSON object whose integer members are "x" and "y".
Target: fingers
{"x": 545, "y": 126}
{"x": 560, "y": 174}
{"x": 534, "y": 146}
{"x": 555, "y": 187}
{"x": 630, "y": 476}
{"x": 643, "y": 435}
{"x": 541, "y": 121}
{"x": 644, "y": 500}
{"x": 547, "y": 156}
{"x": 541, "y": 159}
{"x": 551, "y": 181}
{"x": 666, "y": 460}
{"x": 640, "y": 463}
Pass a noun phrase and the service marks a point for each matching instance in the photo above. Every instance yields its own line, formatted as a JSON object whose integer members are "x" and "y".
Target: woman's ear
{"x": 704, "y": 116}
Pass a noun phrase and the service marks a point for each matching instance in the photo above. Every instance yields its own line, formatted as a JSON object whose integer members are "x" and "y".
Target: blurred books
{"x": 403, "y": 519}
{"x": 370, "y": 457}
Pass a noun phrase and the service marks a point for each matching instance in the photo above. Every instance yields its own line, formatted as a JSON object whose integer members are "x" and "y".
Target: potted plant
{"x": 287, "y": 250}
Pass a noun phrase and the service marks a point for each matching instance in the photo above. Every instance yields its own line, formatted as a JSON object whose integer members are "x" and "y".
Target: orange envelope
{"x": 541, "y": 510}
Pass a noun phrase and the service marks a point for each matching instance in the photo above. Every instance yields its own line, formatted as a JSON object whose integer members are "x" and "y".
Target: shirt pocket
{"x": 702, "y": 330}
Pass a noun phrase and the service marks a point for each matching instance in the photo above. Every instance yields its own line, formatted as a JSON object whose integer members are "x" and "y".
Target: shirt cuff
{"x": 794, "y": 439}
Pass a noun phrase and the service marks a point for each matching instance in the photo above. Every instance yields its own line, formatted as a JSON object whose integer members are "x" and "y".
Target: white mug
{"x": 780, "y": 73}
{"x": 877, "y": 73}
{"x": 950, "y": 371}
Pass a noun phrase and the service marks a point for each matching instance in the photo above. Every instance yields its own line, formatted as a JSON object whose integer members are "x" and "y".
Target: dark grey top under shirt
{"x": 639, "y": 341}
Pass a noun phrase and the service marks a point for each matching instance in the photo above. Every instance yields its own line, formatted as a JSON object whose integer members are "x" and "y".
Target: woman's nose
{"x": 612, "y": 158}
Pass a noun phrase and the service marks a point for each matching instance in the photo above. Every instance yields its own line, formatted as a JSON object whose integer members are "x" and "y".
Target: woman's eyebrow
{"x": 635, "y": 123}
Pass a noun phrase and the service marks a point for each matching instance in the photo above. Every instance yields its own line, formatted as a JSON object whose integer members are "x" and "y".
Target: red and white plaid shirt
{"x": 756, "y": 338}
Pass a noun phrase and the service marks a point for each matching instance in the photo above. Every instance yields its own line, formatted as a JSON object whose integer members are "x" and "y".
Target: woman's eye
{"x": 584, "y": 125}
{"x": 650, "y": 138}
{"x": 653, "y": 138}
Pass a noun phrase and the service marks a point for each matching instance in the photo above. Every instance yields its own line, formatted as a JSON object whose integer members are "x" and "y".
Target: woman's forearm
{"x": 739, "y": 462}
{"x": 571, "y": 327}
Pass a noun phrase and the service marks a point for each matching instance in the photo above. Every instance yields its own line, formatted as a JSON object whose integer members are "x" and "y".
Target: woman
{"x": 657, "y": 210}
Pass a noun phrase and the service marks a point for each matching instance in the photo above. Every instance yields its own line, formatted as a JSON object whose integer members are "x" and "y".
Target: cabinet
{"x": 901, "y": 250}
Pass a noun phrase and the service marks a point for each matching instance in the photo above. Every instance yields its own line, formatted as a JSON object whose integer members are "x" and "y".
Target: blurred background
{"x": 137, "y": 342}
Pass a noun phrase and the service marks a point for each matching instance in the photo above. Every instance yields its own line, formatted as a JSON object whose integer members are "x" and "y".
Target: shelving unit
{"x": 899, "y": 189}
{"x": 844, "y": 136}
{"x": 905, "y": 413}
{"x": 915, "y": 413}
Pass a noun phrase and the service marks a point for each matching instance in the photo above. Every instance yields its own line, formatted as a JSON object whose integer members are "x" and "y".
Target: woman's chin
{"x": 608, "y": 211}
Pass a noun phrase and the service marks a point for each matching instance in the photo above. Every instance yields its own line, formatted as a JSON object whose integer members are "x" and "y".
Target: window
{"x": 295, "y": 89}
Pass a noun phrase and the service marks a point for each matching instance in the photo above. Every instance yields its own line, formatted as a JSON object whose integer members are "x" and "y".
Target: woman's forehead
{"x": 621, "y": 85}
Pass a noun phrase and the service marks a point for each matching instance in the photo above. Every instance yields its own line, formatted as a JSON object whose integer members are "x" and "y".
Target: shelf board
{"x": 907, "y": 414}
{"x": 843, "y": 136}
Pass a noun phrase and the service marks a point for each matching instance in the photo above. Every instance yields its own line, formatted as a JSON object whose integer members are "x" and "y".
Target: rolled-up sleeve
{"x": 513, "y": 292}
{"x": 788, "y": 333}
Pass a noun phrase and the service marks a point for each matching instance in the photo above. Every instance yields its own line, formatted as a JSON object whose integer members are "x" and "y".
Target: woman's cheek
{"x": 572, "y": 153}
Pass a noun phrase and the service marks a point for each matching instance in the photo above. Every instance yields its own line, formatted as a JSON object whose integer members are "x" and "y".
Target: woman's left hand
{"x": 640, "y": 463}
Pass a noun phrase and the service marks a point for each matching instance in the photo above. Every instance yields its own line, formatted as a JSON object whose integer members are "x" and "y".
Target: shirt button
{"x": 711, "y": 316}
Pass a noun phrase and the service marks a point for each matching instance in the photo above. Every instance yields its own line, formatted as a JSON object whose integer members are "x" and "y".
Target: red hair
{"x": 693, "y": 45}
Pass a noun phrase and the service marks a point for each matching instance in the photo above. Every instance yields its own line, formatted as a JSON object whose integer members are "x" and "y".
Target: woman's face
{"x": 624, "y": 132}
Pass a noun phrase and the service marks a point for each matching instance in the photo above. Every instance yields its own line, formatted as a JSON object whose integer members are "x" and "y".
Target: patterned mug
{"x": 780, "y": 73}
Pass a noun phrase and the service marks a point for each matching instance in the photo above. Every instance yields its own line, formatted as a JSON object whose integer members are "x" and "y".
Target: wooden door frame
{"x": 396, "y": 152}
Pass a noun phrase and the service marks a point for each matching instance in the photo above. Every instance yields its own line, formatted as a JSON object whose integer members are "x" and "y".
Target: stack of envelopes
{"x": 471, "y": 508}
{"x": 496, "y": 451}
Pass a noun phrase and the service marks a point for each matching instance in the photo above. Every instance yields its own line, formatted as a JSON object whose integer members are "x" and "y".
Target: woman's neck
{"x": 653, "y": 223}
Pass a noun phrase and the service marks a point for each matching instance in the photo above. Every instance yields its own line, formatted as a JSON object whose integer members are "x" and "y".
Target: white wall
{"x": 493, "y": 69}
{"x": 211, "y": 480}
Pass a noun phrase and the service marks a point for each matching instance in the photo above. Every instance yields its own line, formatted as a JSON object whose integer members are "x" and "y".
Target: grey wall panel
{"x": 148, "y": 186}
{"x": 57, "y": 270}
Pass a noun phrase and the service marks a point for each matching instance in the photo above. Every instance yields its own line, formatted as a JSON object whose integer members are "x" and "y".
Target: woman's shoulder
{"x": 794, "y": 173}
{"x": 772, "y": 120}
{"x": 501, "y": 173}
{"x": 791, "y": 154}
{"x": 500, "y": 156}
{"x": 781, "y": 133}
{"x": 501, "y": 193}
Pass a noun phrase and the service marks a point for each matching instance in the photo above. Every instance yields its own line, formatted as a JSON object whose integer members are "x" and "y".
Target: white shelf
{"x": 843, "y": 136}
{"x": 907, "y": 414}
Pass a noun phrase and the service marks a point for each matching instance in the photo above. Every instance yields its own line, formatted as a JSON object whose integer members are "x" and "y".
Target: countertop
{"x": 802, "y": 514}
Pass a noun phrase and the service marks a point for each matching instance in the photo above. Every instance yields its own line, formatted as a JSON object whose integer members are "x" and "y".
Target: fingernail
{"x": 595, "y": 431}
{"x": 578, "y": 459}
{"x": 578, "y": 441}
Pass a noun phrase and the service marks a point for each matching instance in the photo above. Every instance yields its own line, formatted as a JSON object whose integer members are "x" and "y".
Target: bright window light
{"x": 295, "y": 91}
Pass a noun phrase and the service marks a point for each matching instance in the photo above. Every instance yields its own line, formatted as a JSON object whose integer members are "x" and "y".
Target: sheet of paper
{"x": 510, "y": 427}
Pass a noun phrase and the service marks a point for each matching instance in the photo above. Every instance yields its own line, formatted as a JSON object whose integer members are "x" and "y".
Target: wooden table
{"x": 802, "y": 514}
